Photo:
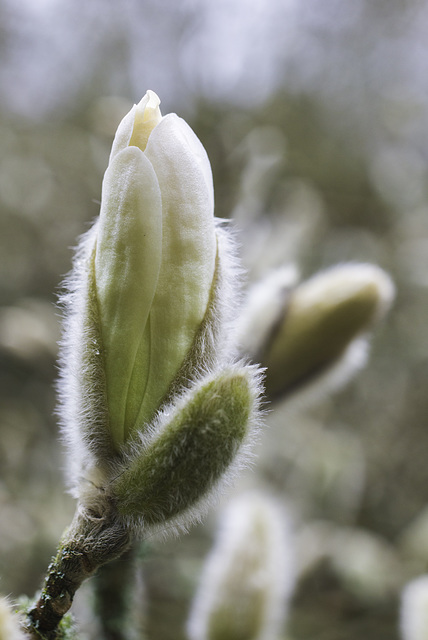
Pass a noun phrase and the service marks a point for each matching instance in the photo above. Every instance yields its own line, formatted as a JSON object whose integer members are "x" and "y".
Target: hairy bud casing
{"x": 190, "y": 449}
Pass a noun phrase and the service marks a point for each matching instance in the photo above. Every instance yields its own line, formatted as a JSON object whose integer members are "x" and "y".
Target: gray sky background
{"x": 228, "y": 50}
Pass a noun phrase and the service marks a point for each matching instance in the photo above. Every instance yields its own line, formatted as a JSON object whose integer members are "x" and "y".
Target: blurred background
{"x": 315, "y": 118}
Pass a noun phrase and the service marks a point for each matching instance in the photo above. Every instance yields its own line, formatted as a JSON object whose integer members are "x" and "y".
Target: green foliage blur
{"x": 321, "y": 157}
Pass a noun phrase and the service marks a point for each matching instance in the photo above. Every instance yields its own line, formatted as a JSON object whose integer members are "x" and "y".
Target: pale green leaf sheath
{"x": 190, "y": 449}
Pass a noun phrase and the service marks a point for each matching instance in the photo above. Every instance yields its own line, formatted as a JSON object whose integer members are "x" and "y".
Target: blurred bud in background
{"x": 9, "y": 622}
{"x": 414, "y": 610}
{"x": 249, "y": 576}
{"x": 366, "y": 565}
{"x": 314, "y": 332}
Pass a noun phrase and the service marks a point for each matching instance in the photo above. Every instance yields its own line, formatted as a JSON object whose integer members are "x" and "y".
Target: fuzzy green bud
{"x": 191, "y": 447}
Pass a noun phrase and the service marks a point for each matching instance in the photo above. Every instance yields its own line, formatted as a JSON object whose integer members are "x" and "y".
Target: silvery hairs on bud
{"x": 82, "y": 394}
{"x": 149, "y": 340}
{"x": 194, "y": 448}
{"x": 9, "y": 622}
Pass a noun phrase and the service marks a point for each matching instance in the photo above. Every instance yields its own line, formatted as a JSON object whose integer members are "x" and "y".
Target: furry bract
{"x": 149, "y": 329}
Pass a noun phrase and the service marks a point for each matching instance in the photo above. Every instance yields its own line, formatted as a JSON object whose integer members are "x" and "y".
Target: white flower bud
{"x": 154, "y": 261}
{"x": 148, "y": 325}
{"x": 249, "y": 576}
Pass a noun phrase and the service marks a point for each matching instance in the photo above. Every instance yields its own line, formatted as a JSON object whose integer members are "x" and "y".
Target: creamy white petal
{"x": 179, "y": 128}
{"x": 127, "y": 265}
{"x": 188, "y": 247}
{"x": 147, "y": 116}
{"x": 123, "y": 133}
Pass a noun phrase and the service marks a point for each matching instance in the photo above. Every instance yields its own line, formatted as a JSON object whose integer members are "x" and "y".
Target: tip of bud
{"x": 365, "y": 285}
{"x": 147, "y": 116}
{"x": 149, "y": 104}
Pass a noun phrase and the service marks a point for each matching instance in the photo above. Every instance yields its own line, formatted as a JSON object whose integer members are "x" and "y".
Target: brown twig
{"x": 92, "y": 540}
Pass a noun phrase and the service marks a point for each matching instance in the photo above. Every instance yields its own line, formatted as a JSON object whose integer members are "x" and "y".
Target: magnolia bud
{"x": 150, "y": 392}
{"x": 154, "y": 260}
{"x": 318, "y": 325}
{"x": 248, "y": 577}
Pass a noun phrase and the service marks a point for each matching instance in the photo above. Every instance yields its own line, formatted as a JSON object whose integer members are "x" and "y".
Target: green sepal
{"x": 95, "y": 423}
{"x": 188, "y": 452}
